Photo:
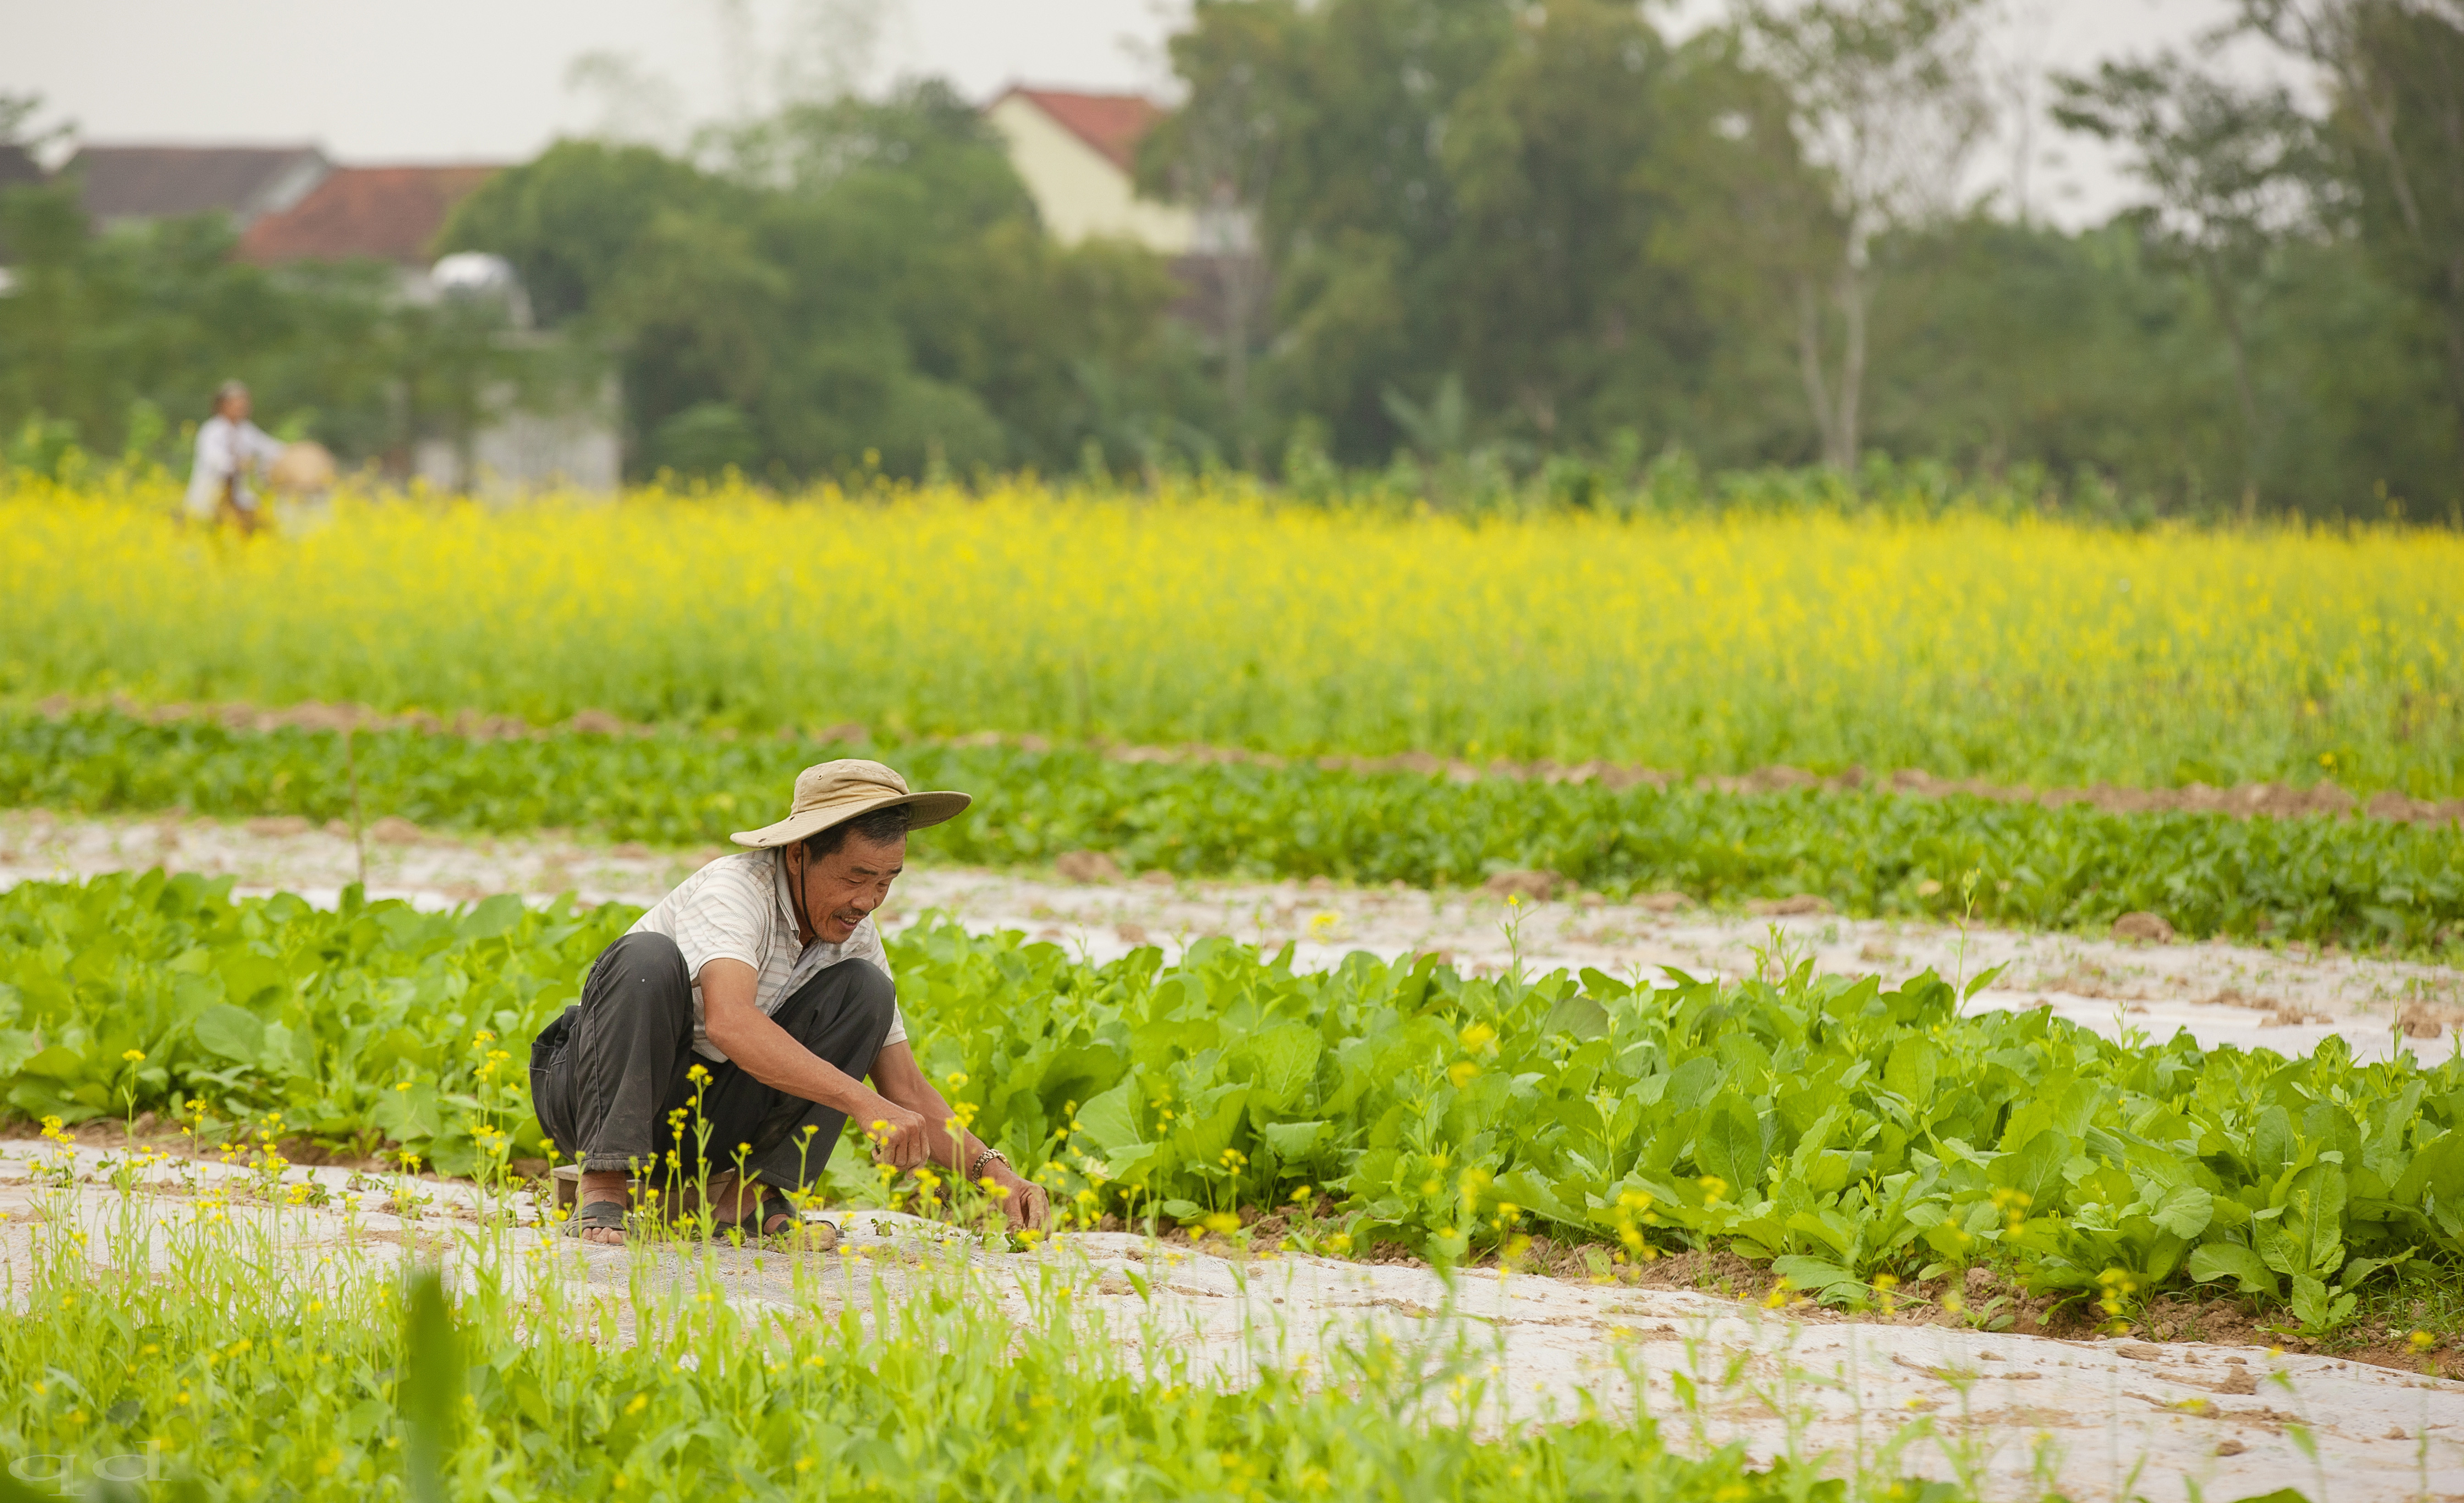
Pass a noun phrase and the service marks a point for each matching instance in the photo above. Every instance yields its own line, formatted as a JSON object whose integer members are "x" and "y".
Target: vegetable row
{"x": 2360, "y": 882}
{"x": 1838, "y": 1128}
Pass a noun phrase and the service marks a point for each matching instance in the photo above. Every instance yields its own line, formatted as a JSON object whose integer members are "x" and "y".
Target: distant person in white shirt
{"x": 227, "y": 447}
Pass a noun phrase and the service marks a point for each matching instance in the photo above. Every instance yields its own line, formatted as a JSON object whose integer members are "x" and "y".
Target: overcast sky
{"x": 495, "y": 80}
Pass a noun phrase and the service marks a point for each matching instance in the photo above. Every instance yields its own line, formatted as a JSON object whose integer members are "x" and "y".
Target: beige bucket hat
{"x": 833, "y": 793}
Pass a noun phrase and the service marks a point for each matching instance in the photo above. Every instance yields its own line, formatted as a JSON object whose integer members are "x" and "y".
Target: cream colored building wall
{"x": 1077, "y": 189}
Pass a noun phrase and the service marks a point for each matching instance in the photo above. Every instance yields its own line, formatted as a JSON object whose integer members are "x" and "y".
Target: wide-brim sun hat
{"x": 833, "y": 793}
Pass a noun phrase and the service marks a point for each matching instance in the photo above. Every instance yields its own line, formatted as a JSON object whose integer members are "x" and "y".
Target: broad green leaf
{"x": 1110, "y": 1120}
{"x": 2214, "y": 1260}
{"x": 1577, "y": 1014}
{"x": 1814, "y": 1275}
{"x": 1730, "y": 1145}
{"x": 233, "y": 1032}
{"x": 2185, "y": 1211}
{"x": 1915, "y": 1067}
{"x": 493, "y": 917}
{"x": 1280, "y": 1063}
{"x": 1294, "y": 1142}
{"x": 2035, "y": 1171}
{"x": 1692, "y": 1083}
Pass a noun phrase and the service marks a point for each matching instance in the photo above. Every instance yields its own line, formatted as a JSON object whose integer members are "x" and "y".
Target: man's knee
{"x": 638, "y": 967}
{"x": 851, "y": 1002}
{"x": 871, "y": 998}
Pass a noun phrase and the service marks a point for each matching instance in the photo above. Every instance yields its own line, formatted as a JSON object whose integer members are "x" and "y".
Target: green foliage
{"x": 1615, "y": 243}
{"x": 2362, "y": 882}
{"x": 357, "y": 1025}
{"x": 1814, "y": 1117}
{"x": 1819, "y": 1118}
{"x": 856, "y": 277}
{"x": 100, "y": 330}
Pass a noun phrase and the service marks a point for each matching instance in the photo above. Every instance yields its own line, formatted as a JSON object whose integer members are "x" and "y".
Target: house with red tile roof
{"x": 1078, "y": 155}
{"x": 390, "y": 213}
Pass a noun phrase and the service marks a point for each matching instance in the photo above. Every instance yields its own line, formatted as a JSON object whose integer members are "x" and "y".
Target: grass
{"x": 2019, "y": 650}
{"x": 230, "y": 1354}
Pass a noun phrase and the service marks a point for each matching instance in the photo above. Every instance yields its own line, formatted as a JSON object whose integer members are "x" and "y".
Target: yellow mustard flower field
{"x": 2029, "y": 651}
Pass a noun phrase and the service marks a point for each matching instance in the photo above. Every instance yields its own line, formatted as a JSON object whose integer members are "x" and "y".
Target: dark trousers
{"x": 609, "y": 1078}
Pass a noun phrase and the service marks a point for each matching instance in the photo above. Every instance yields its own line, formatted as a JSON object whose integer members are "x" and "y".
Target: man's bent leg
{"x": 629, "y": 1052}
{"x": 840, "y": 1015}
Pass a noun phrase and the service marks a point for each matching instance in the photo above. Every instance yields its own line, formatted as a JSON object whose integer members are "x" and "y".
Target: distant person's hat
{"x": 834, "y": 792}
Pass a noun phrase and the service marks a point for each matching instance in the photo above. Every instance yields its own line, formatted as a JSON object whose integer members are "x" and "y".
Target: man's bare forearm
{"x": 959, "y": 1152}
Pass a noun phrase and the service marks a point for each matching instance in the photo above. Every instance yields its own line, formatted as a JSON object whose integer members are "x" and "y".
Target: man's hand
{"x": 900, "y": 1137}
{"x": 1027, "y": 1205}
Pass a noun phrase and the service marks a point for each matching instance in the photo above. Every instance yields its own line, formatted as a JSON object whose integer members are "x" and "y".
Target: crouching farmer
{"x": 765, "y": 970}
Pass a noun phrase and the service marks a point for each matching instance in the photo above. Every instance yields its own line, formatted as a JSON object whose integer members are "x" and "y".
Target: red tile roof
{"x": 387, "y": 213}
{"x": 1113, "y": 123}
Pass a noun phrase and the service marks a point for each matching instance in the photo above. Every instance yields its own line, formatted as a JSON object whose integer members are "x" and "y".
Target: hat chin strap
{"x": 805, "y": 924}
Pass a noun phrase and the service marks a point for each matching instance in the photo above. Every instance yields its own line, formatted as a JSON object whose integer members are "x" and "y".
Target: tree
{"x": 2397, "y": 70}
{"x": 1442, "y": 190}
{"x": 1888, "y": 103}
{"x": 2231, "y": 172}
{"x": 1217, "y": 153}
{"x": 842, "y": 278}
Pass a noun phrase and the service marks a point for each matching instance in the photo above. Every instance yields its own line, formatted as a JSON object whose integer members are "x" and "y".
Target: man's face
{"x": 235, "y": 406}
{"x": 841, "y": 888}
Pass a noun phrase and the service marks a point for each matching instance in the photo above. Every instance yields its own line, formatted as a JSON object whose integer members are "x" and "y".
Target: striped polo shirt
{"x": 738, "y": 908}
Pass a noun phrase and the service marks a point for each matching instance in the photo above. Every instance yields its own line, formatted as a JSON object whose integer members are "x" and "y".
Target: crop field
{"x": 2369, "y": 884}
{"x": 1850, "y": 1133}
{"x": 2025, "y": 651}
{"x": 655, "y": 669}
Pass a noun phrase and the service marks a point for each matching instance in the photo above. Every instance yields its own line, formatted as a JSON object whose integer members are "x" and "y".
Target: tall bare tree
{"x": 1889, "y": 103}
{"x": 1217, "y": 154}
{"x": 2231, "y": 172}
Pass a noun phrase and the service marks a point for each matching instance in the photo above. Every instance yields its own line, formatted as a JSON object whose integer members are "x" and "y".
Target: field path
{"x": 2018, "y": 1414}
{"x": 2288, "y": 998}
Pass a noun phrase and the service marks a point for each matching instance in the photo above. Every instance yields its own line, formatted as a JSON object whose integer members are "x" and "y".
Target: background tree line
{"x": 1497, "y": 244}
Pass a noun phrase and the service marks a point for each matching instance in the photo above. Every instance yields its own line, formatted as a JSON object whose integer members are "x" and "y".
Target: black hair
{"x": 879, "y": 827}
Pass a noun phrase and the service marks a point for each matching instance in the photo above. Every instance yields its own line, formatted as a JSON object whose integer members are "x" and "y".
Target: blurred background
{"x": 2198, "y": 257}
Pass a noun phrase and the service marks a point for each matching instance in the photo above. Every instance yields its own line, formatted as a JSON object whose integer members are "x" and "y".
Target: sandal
{"x": 598, "y": 1215}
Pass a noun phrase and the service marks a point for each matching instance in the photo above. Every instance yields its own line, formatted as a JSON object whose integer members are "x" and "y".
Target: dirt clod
{"x": 2147, "y": 926}
{"x": 1532, "y": 886}
{"x": 2422, "y": 1020}
{"x": 1087, "y": 866}
{"x": 1785, "y": 908}
{"x": 394, "y": 830}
